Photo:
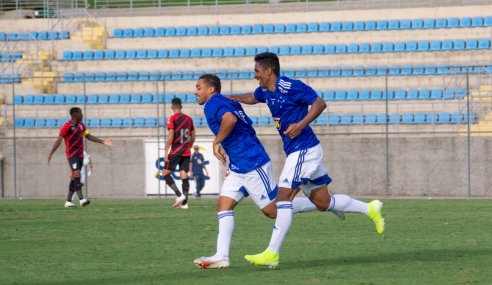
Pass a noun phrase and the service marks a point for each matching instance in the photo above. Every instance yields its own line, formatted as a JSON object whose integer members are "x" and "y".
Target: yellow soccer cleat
{"x": 375, "y": 214}
{"x": 266, "y": 258}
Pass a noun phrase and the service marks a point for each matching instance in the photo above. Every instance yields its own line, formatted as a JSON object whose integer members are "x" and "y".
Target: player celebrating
{"x": 72, "y": 131}
{"x": 250, "y": 169}
{"x": 288, "y": 101}
{"x": 181, "y": 136}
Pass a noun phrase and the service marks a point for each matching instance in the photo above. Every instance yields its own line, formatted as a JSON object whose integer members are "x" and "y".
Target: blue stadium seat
{"x": 359, "y": 70}
{"x": 487, "y": 21}
{"x": 151, "y": 53}
{"x": 105, "y": 122}
{"x": 110, "y": 54}
{"x": 318, "y": 49}
{"x": 51, "y": 35}
{"x": 449, "y": 94}
{"x": 144, "y": 76}
{"x": 435, "y": 45}
{"x": 336, "y": 26}
{"x": 289, "y": 72}
{"x": 120, "y": 54}
{"x": 353, "y": 48}
{"x": 382, "y": 119}
{"x": 441, "y": 23}
{"x": 395, "y": 118}
{"x": 364, "y": 47}
{"x": 388, "y": 94}
{"x": 394, "y": 25}
{"x": 346, "y": 119}
{"x": 459, "y": 45}
{"x": 150, "y": 122}
{"x": 121, "y": 76}
{"x": 447, "y": 45}
{"x": 465, "y": 22}
{"x": 103, "y": 99}
{"x": 98, "y": 55}
{"x": 321, "y": 120}
{"x": 484, "y": 44}
{"x": 471, "y": 44}
{"x": 67, "y": 55}
{"x": 128, "y": 33}
{"x": 418, "y": 69}
{"x": 371, "y": 70}
{"x": 92, "y": 99}
{"x": 376, "y": 94}
{"x": 429, "y": 24}
{"x": 419, "y": 118}
{"x": 50, "y": 123}
{"x": 324, "y": 72}
{"x": 235, "y": 30}
{"x": 370, "y": 25}
{"x": 417, "y": 24}
{"x": 177, "y": 75}
{"x": 307, "y": 49}
{"x": 334, "y": 119}
{"x": 330, "y": 48}
{"x": 453, "y": 22}
{"x": 381, "y": 70}
{"x": 117, "y": 33}
{"x": 114, "y": 99}
{"x": 394, "y": 69}
{"x": 170, "y": 32}
{"x": 473, "y": 117}
{"x": 268, "y": 29}
{"x": 116, "y": 122}
{"x": 81, "y": 98}
{"x": 324, "y": 27}
{"x": 284, "y": 50}
{"x": 341, "y": 48}
{"x": 217, "y": 52}
{"x": 313, "y": 27}
{"x": 430, "y": 69}
{"x": 436, "y": 94}
{"x": 246, "y": 29}
{"x": 67, "y": 77}
{"x": 382, "y": 25}
{"x": 224, "y": 30}
{"x": 413, "y": 94}
{"x": 340, "y": 95}
{"x": 329, "y": 95}
{"x": 203, "y": 30}
{"x": 138, "y": 33}
{"x": 184, "y": 53}
{"x": 127, "y": 122}
{"x": 312, "y": 72}
{"x": 43, "y": 35}
{"x": 174, "y": 53}
{"x": 295, "y": 50}
{"x": 411, "y": 46}
{"x": 457, "y": 117}
{"x": 77, "y": 55}
{"x": 141, "y": 54}
{"x": 149, "y": 32}
{"x": 400, "y": 46}
{"x": 335, "y": 71}
{"x": 192, "y": 31}
{"x": 181, "y": 31}
{"x": 388, "y": 47}
{"x": 301, "y": 72}
{"x": 49, "y": 99}
{"x": 407, "y": 118}
{"x": 40, "y": 122}
{"x": 405, "y": 24}
{"x": 279, "y": 28}
{"x": 352, "y": 95}
{"x": 250, "y": 51}
{"x": 196, "y": 52}
{"x": 257, "y": 29}
{"x": 444, "y": 118}
{"x": 347, "y": 26}
{"x": 132, "y": 75}
{"x": 254, "y": 120}
{"x": 406, "y": 69}
{"x": 423, "y": 46}
{"x": 400, "y": 94}
{"x": 359, "y": 26}
{"x": 369, "y": 119}
{"x": 59, "y": 122}
{"x": 273, "y": 49}
{"x": 136, "y": 98}
{"x": 19, "y": 122}
{"x": 38, "y": 99}
{"x": 265, "y": 120}
{"x": 90, "y": 76}
{"x": 347, "y": 71}
{"x": 206, "y": 52}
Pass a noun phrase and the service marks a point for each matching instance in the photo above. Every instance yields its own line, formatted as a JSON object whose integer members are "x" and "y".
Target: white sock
{"x": 344, "y": 203}
{"x": 301, "y": 205}
{"x": 282, "y": 225}
{"x": 226, "y": 228}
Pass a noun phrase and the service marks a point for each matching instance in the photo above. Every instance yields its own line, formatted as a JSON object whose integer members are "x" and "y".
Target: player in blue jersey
{"x": 289, "y": 101}
{"x": 250, "y": 169}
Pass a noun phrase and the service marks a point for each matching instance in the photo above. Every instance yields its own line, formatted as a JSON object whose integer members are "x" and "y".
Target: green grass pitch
{"x": 148, "y": 242}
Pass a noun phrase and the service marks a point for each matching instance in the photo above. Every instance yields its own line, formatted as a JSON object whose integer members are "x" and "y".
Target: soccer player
{"x": 197, "y": 165}
{"x": 250, "y": 169}
{"x": 181, "y": 136}
{"x": 289, "y": 101}
{"x": 72, "y": 131}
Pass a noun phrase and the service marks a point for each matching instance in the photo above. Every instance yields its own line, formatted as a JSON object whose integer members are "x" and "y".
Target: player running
{"x": 73, "y": 132}
{"x": 181, "y": 136}
{"x": 289, "y": 102}
{"x": 250, "y": 169}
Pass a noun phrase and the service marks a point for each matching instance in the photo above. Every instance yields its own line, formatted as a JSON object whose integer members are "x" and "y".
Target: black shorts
{"x": 76, "y": 163}
{"x": 175, "y": 160}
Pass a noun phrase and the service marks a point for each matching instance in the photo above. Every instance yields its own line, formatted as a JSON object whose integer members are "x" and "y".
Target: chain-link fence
{"x": 386, "y": 131}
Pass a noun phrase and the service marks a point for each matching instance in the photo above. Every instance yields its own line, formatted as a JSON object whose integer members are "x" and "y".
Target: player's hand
{"x": 293, "y": 130}
{"x": 219, "y": 152}
{"x": 166, "y": 158}
{"x": 49, "y": 158}
{"x": 108, "y": 142}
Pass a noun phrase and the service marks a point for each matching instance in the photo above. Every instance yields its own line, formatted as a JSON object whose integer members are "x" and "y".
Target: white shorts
{"x": 304, "y": 169}
{"x": 258, "y": 183}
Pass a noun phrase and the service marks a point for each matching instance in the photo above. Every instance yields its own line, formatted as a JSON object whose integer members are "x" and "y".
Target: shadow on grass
{"x": 246, "y": 269}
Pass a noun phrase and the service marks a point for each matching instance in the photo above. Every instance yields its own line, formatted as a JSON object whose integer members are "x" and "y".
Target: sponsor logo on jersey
{"x": 262, "y": 197}
{"x": 286, "y": 180}
{"x": 284, "y": 84}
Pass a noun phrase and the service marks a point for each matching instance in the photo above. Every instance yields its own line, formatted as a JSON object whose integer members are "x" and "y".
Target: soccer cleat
{"x": 197, "y": 195}
{"x": 84, "y": 202}
{"x": 212, "y": 262}
{"x": 179, "y": 200}
{"x": 69, "y": 205}
{"x": 375, "y": 214}
{"x": 184, "y": 206}
{"x": 266, "y": 258}
{"x": 340, "y": 215}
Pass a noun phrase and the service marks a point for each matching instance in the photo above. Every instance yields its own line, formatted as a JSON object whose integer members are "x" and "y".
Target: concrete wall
{"x": 434, "y": 166}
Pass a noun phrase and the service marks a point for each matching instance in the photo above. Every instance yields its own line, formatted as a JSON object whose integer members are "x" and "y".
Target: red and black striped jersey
{"x": 182, "y": 126}
{"x": 74, "y": 138}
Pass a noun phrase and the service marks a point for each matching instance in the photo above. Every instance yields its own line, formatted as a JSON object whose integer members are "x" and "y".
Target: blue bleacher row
{"x": 10, "y": 57}
{"x": 323, "y": 119}
{"x": 328, "y": 95}
{"x": 33, "y": 35}
{"x": 377, "y": 47}
{"x": 313, "y": 72}
{"x": 10, "y": 78}
{"x": 465, "y": 22}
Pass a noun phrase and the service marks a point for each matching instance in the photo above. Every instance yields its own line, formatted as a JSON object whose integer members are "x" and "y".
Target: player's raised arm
{"x": 316, "y": 109}
{"x": 107, "y": 142}
{"x": 227, "y": 124}
{"x": 55, "y": 147}
{"x": 246, "y": 98}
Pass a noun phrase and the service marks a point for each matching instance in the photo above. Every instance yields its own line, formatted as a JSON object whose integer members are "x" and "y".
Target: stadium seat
{"x": 417, "y": 24}
{"x": 184, "y": 53}
{"x": 117, "y": 33}
{"x": 400, "y": 94}
{"x": 334, "y": 119}
{"x": 394, "y": 69}
{"x": 139, "y": 122}
{"x": 138, "y": 33}
{"x": 371, "y": 70}
{"x": 49, "y": 99}
{"x": 103, "y": 99}
{"x": 132, "y": 75}
{"x": 364, "y": 47}
{"x": 224, "y": 30}
{"x": 324, "y": 72}
{"x": 341, "y": 48}
{"x": 375, "y": 94}
{"x": 444, "y": 118}
{"x": 370, "y": 119}
{"x": 80, "y": 99}
{"x": 441, "y": 23}
{"x": 347, "y": 26}
{"x": 128, "y": 33}
{"x": 67, "y": 55}
{"x": 105, "y": 122}
{"x": 431, "y": 118}
{"x": 196, "y": 52}
{"x": 473, "y": 117}
{"x": 92, "y": 99}
{"x": 484, "y": 44}
{"x": 67, "y": 77}
{"x": 174, "y": 53}
{"x": 429, "y": 23}
{"x": 382, "y": 25}
{"x": 246, "y": 29}
{"x": 359, "y": 26}
{"x": 447, "y": 45}
{"x": 127, "y": 122}
{"x": 334, "y": 71}
{"x": 120, "y": 54}
{"x": 324, "y": 27}
{"x": 19, "y": 122}
{"x": 228, "y": 51}
{"x": 59, "y": 122}
{"x": 321, "y": 120}
{"x": 313, "y": 27}
{"x": 487, "y": 21}
{"x": 436, "y": 94}
{"x": 121, "y": 76}
{"x": 456, "y": 117}
{"x": 77, "y": 55}
{"x": 352, "y": 95}
{"x": 114, "y": 99}
{"x": 395, "y": 118}
{"x": 181, "y": 31}
{"x": 419, "y": 118}
{"x": 394, "y": 25}
{"x": 279, "y": 29}
{"x": 318, "y": 49}
{"x": 471, "y": 44}
{"x": 353, "y": 48}
{"x": 149, "y": 32}
{"x": 423, "y": 46}
{"x": 459, "y": 45}
{"x": 381, "y": 70}
{"x": 40, "y": 122}
{"x": 329, "y": 95}
{"x": 411, "y": 46}
{"x": 336, "y": 27}
{"x": 295, "y": 50}
{"x": 38, "y": 99}
{"x": 453, "y": 22}
{"x": 400, "y": 46}
{"x": 254, "y": 120}
{"x": 330, "y": 48}
{"x": 346, "y": 119}
{"x": 388, "y": 47}
{"x": 359, "y": 70}
{"x": 388, "y": 94}
{"x": 268, "y": 29}
{"x": 435, "y": 46}
{"x": 412, "y": 94}
{"x": 170, "y": 32}
{"x": 424, "y": 94}
{"x": 407, "y": 118}
{"x": 235, "y": 30}
{"x": 217, "y": 52}
{"x": 307, "y": 49}
{"x": 370, "y": 25}
{"x": 340, "y": 95}
{"x": 150, "y": 122}
{"x": 405, "y": 24}
{"x": 465, "y": 22}
{"x": 418, "y": 69}
{"x": 347, "y": 71}
{"x": 284, "y": 50}
{"x": 203, "y": 30}
{"x": 141, "y": 54}
{"x": 301, "y": 72}
{"x": 206, "y": 52}
{"x": 430, "y": 69}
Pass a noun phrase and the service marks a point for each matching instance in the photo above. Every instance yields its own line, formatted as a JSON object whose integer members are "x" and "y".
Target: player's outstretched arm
{"x": 246, "y": 98}
{"x": 107, "y": 142}
{"x": 226, "y": 126}
{"x": 55, "y": 147}
{"x": 316, "y": 109}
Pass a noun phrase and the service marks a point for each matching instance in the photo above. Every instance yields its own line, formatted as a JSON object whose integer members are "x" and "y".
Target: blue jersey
{"x": 289, "y": 104}
{"x": 242, "y": 146}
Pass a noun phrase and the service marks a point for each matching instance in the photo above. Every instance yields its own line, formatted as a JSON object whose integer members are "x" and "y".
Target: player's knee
{"x": 271, "y": 215}
{"x": 76, "y": 174}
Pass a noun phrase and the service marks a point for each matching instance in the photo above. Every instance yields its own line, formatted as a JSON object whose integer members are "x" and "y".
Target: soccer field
{"x": 148, "y": 242}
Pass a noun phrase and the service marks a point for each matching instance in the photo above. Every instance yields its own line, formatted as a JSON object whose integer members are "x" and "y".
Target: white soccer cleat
{"x": 184, "y": 206}
{"x": 212, "y": 262}
{"x": 179, "y": 200}
{"x": 69, "y": 205}
{"x": 84, "y": 202}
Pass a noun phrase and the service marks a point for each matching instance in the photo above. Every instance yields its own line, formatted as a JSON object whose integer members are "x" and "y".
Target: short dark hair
{"x": 269, "y": 60}
{"x": 212, "y": 80}
{"x": 75, "y": 110}
{"x": 176, "y": 102}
